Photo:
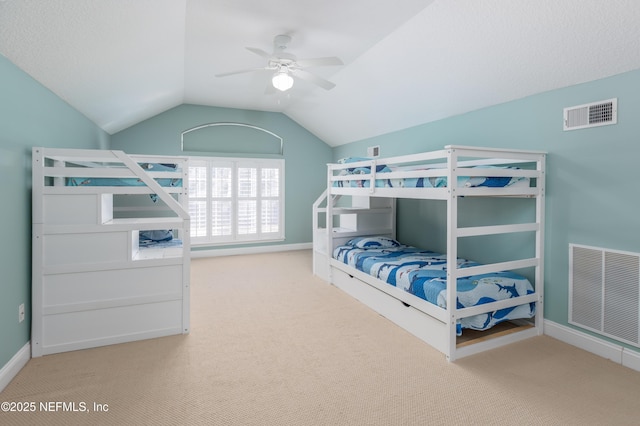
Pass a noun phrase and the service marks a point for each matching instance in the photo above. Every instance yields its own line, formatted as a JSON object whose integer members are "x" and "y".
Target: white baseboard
{"x": 15, "y": 364}
{"x": 616, "y": 353}
{"x": 631, "y": 359}
{"x": 250, "y": 250}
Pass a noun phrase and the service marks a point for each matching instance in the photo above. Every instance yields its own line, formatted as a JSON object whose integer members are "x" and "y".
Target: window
{"x": 236, "y": 200}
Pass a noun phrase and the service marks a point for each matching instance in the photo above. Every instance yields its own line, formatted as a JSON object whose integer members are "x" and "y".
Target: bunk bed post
{"x": 37, "y": 159}
{"x": 452, "y": 251}
{"x": 329, "y": 222}
{"x": 539, "y": 270}
{"x": 37, "y": 248}
{"x": 314, "y": 229}
{"x": 394, "y": 228}
{"x": 185, "y": 235}
{"x": 320, "y": 239}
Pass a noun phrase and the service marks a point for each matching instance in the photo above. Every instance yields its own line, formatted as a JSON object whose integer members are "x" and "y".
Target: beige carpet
{"x": 273, "y": 345}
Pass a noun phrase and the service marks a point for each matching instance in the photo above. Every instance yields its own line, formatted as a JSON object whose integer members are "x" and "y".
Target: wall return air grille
{"x": 604, "y": 292}
{"x": 591, "y": 115}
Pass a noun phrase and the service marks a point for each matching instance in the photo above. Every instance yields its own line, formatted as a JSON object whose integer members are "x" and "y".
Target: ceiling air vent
{"x": 591, "y": 115}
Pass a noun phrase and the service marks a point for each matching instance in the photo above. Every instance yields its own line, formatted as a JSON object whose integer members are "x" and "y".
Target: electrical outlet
{"x": 21, "y": 312}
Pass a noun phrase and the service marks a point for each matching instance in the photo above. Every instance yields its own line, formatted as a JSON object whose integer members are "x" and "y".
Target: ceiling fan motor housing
{"x": 281, "y": 41}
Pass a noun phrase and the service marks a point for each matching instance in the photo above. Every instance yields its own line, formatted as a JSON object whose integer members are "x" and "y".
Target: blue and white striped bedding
{"x": 423, "y": 274}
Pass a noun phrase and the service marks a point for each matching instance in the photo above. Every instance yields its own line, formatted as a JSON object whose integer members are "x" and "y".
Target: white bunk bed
{"x": 360, "y": 202}
{"x": 94, "y": 281}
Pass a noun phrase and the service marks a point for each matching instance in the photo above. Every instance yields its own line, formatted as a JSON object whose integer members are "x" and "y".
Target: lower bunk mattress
{"x": 422, "y": 273}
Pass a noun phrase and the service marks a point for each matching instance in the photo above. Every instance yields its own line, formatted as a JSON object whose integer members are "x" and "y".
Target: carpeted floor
{"x": 273, "y": 345}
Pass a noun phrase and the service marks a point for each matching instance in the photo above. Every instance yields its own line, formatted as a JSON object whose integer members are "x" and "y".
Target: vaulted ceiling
{"x": 406, "y": 62}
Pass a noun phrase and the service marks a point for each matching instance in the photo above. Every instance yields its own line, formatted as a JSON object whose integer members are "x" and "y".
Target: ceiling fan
{"x": 286, "y": 66}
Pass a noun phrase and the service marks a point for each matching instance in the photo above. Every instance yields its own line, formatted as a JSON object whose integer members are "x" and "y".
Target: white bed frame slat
{"x": 130, "y": 190}
{"x": 496, "y": 267}
{"x": 102, "y": 172}
{"x": 473, "y": 231}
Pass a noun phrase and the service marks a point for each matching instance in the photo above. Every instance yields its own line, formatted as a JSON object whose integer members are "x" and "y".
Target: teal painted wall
{"x": 592, "y": 192}
{"x": 305, "y": 155}
{"x": 31, "y": 116}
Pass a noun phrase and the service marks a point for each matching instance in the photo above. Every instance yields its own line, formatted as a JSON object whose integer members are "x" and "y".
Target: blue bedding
{"x": 150, "y": 167}
{"x": 423, "y": 274}
{"x": 428, "y": 182}
{"x": 160, "y": 244}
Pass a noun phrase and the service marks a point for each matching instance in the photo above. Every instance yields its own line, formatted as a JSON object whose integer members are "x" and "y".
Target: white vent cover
{"x": 373, "y": 151}
{"x": 591, "y": 115}
{"x": 604, "y": 292}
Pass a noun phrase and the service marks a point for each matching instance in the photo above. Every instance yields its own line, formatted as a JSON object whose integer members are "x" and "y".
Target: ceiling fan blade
{"x": 239, "y": 72}
{"x": 307, "y": 76}
{"x": 259, "y": 52}
{"x": 319, "y": 62}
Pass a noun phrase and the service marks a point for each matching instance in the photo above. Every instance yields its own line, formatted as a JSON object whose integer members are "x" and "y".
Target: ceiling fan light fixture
{"x": 282, "y": 81}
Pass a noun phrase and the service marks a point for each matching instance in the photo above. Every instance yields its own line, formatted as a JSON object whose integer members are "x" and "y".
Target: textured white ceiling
{"x": 407, "y": 62}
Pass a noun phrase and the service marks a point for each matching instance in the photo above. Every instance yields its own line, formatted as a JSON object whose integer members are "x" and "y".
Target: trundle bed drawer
{"x": 416, "y": 322}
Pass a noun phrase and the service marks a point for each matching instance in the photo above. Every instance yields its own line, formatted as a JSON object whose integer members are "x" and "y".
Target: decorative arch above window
{"x": 231, "y": 138}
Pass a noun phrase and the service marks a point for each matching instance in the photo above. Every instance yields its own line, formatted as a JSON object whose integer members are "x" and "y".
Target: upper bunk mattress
{"x": 423, "y": 274}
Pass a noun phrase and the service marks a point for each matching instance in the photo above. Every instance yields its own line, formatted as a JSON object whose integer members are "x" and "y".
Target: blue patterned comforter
{"x": 423, "y": 274}
{"x": 360, "y": 178}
